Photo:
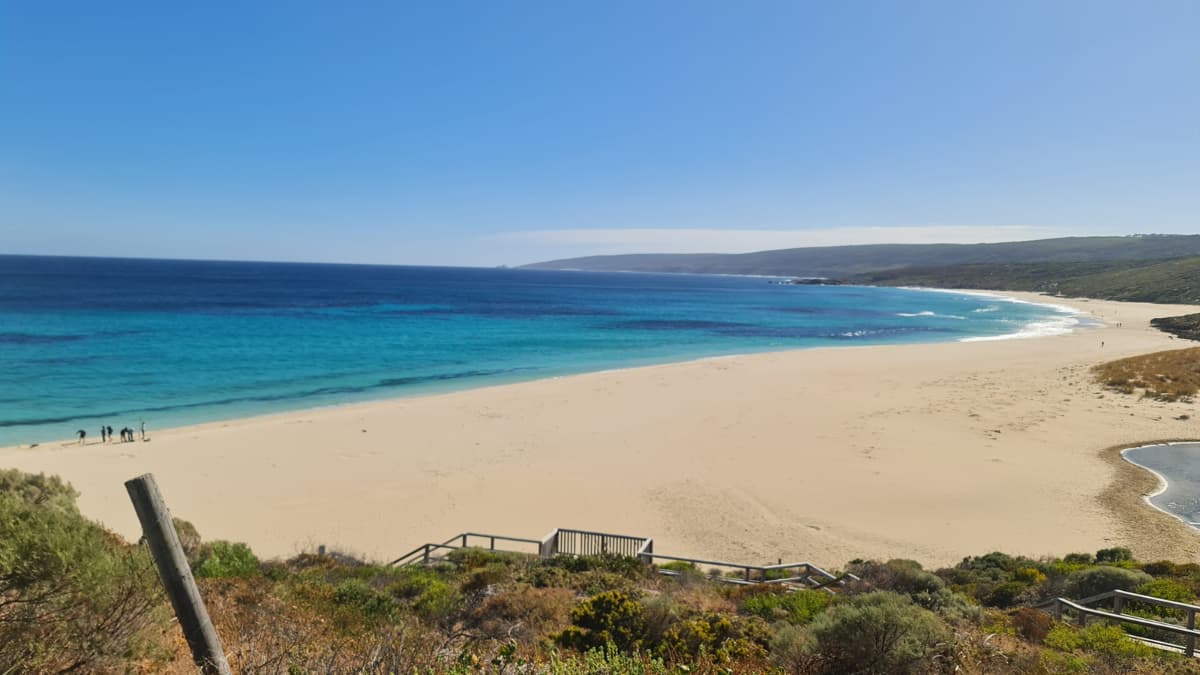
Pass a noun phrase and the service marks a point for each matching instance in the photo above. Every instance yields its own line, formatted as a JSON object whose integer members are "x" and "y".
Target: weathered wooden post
{"x": 1190, "y": 649}
{"x": 176, "y": 575}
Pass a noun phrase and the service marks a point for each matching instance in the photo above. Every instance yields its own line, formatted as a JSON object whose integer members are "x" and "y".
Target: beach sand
{"x": 931, "y": 452}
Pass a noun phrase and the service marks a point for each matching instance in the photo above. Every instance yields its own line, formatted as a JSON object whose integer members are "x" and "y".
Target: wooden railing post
{"x": 1058, "y": 609}
{"x": 1118, "y": 603}
{"x": 176, "y": 575}
{"x": 1190, "y": 648}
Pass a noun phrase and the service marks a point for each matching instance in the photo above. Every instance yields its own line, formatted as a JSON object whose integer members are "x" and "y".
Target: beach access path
{"x": 931, "y": 452}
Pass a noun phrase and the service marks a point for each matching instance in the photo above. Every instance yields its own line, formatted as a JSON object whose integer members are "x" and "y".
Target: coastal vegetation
{"x": 1172, "y": 281}
{"x": 841, "y": 262}
{"x": 1168, "y": 376}
{"x": 74, "y": 597}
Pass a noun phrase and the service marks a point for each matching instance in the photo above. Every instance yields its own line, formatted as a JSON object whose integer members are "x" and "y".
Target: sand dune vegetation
{"x": 89, "y": 602}
{"x": 1167, "y": 376}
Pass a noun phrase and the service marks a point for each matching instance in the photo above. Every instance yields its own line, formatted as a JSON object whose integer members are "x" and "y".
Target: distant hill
{"x": 1171, "y": 281}
{"x": 846, "y": 261}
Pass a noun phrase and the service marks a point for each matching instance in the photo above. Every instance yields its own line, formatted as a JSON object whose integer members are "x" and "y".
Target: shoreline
{"x": 929, "y": 451}
{"x": 1129, "y": 493}
{"x": 1000, "y": 296}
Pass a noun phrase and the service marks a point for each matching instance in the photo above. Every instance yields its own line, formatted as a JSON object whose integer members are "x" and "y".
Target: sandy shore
{"x": 931, "y": 452}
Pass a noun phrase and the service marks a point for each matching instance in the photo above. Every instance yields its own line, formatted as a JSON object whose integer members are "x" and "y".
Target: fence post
{"x": 1058, "y": 609}
{"x": 1118, "y": 603}
{"x": 176, "y": 575}
{"x": 1190, "y": 649}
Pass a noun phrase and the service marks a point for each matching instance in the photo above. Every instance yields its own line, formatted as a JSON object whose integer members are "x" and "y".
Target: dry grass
{"x": 1169, "y": 376}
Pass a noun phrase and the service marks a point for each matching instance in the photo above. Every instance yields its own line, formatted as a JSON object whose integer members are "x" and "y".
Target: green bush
{"x": 1168, "y": 589}
{"x": 73, "y": 596}
{"x": 612, "y": 617}
{"x": 631, "y": 568}
{"x": 222, "y": 559}
{"x": 431, "y": 596}
{"x": 1099, "y": 638}
{"x": 1006, "y": 594}
{"x": 880, "y": 632}
{"x": 1096, "y": 580}
{"x": 796, "y": 607}
{"x": 358, "y": 595}
{"x": 795, "y": 650}
{"x": 1114, "y": 555}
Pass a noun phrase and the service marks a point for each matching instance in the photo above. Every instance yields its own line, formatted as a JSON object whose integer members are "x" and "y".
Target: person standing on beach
{"x": 82, "y": 435}
{"x": 110, "y": 433}
{"x": 103, "y": 435}
{"x": 143, "y": 430}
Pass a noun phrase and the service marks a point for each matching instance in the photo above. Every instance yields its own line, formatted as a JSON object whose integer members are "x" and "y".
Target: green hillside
{"x": 1171, "y": 281}
{"x": 843, "y": 261}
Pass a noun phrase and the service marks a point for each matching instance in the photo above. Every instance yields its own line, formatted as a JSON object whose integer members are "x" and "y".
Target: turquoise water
{"x": 88, "y": 341}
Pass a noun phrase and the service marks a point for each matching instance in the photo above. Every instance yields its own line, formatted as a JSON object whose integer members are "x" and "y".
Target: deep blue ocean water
{"x": 86, "y": 341}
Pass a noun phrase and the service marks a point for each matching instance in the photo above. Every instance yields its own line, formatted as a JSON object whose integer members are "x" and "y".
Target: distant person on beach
{"x": 82, "y": 435}
{"x": 110, "y": 433}
{"x": 103, "y": 435}
{"x": 143, "y": 430}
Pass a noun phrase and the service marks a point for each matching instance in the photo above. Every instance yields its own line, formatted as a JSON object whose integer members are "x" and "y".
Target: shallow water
{"x": 1179, "y": 465}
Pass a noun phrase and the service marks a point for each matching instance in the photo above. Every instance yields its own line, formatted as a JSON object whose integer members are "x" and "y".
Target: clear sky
{"x": 486, "y": 133}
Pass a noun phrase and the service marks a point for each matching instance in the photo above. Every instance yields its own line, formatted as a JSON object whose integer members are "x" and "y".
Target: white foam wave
{"x": 989, "y": 308}
{"x": 1033, "y": 329}
{"x": 934, "y": 314}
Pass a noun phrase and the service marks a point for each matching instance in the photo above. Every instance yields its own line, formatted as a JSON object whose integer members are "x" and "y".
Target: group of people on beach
{"x": 107, "y": 434}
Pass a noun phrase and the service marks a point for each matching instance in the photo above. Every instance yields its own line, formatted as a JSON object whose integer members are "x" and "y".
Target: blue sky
{"x": 485, "y": 133}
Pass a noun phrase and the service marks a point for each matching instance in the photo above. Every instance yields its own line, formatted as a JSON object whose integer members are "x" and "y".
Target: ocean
{"x": 91, "y": 341}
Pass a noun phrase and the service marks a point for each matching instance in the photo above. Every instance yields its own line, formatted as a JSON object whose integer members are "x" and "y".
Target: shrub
{"x": 49, "y": 492}
{"x": 1032, "y": 624}
{"x": 794, "y": 649}
{"x": 1006, "y": 594}
{"x": 1096, "y": 580}
{"x": 1029, "y": 575}
{"x": 1099, "y": 638}
{"x": 189, "y": 540}
{"x": 1078, "y": 558}
{"x": 1168, "y": 589}
{"x": 631, "y": 568}
{"x": 1113, "y": 555}
{"x": 796, "y": 607}
{"x": 901, "y": 576}
{"x": 432, "y": 597}
{"x": 73, "y": 596}
{"x": 524, "y": 614}
{"x": 358, "y": 595}
{"x": 879, "y": 632}
{"x": 222, "y": 559}
{"x": 612, "y": 617}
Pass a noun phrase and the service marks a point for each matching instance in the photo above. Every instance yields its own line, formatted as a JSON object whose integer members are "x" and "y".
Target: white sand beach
{"x": 931, "y": 452}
